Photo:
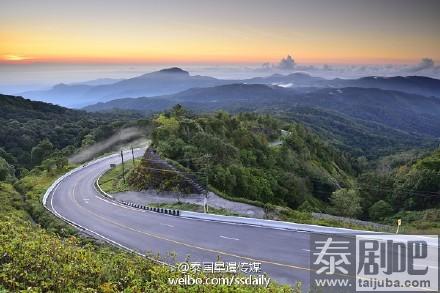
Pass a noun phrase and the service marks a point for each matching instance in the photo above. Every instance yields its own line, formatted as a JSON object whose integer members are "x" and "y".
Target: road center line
{"x": 230, "y": 238}
{"x": 219, "y": 252}
{"x": 168, "y": 225}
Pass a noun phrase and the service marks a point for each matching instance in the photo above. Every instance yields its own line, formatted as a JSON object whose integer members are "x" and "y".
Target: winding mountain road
{"x": 284, "y": 255}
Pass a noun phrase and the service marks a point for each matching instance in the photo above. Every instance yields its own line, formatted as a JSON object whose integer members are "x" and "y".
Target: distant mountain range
{"x": 406, "y": 112}
{"x": 369, "y": 115}
{"x": 420, "y": 85}
{"x": 173, "y": 80}
{"x": 166, "y": 81}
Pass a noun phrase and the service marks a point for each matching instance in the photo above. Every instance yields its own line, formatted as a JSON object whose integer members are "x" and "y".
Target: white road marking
{"x": 168, "y": 225}
{"x": 308, "y": 250}
{"x": 230, "y": 238}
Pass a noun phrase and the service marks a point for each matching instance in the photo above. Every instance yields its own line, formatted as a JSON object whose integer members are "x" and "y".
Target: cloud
{"x": 286, "y": 63}
{"x": 124, "y": 135}
{"x": 425, "y": 63}
{"x": 425, "y": 67}
{"x": 266, "y": 66}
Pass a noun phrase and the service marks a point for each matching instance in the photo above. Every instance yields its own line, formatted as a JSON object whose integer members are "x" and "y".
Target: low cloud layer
{"x": 425, "y": 63}
{"x": 27, "y": 77}
{"x": 426, "y": 67}
{"x": 121, "y": 136}
{"x": 287, "y": 63}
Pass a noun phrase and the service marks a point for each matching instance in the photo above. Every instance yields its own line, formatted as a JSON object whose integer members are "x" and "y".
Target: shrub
{"x": 380, "y": 210}
{"x": 346, "y": 202}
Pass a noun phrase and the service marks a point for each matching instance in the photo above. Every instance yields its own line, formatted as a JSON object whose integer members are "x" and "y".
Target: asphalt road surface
{"x": 284, "y": 255}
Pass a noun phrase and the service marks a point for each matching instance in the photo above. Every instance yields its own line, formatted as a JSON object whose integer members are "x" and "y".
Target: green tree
{"x": 88, "y": 139}
{"x": 379, "y": 210}
{"x": 346, "y": 202}
{"x": 7, "y": 156}
{"x": 6, "y": 170}
{"x": 41, "y": 151}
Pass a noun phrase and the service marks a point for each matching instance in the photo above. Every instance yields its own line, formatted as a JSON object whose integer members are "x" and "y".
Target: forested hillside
{"x": 254, "y": 156}
{"x": 406, "y": 112}
{"x": 368, "y": 122}
{"x": 30, "y": 131}
{"x": 361, "y": 138}
{"x": 260, "y": 158}
{"x": 410, "y": 182}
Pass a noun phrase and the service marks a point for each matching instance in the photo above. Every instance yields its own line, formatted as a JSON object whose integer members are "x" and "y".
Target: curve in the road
{"x": 284, "y": 255}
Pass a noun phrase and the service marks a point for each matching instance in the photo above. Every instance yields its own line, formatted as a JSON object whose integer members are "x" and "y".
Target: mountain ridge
{"x": 403, "y": 111}
{"x": 174, "y": 79}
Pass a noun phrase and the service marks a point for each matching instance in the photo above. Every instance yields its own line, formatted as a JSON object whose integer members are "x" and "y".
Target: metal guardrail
{"x": 166, "y": 211}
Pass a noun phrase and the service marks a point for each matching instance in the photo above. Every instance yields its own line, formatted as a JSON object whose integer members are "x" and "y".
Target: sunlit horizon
{"x": 212, "y": 32}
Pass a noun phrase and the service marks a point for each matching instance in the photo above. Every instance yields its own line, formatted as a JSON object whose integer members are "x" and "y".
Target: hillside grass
{"x": 425, "y": 222}
{"x": 112, "y": 181}
{"x": 36, "y": 260}
{"x": 32, "y": 187}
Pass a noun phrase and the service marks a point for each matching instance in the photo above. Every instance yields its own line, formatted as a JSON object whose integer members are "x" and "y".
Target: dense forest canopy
{"x": 254, "y": 156}
{"x": 32, "y": 131}
{"x": 410, "y": 184}
{"x": 262, "y": 158}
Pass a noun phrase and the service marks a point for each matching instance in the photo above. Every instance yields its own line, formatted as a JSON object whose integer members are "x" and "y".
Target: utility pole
{"x": 207, "y": 177}
{"x": 123, "y": 169}
{"x": 132, "y": 155}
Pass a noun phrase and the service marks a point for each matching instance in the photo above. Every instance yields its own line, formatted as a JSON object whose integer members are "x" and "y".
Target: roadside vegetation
{"x": 303, "y": 170}
{"x": 113, "y": 181}
{"x": 300, "y": 176}
{"x": 36, "y": 260}
{"x": 41, "y": 253}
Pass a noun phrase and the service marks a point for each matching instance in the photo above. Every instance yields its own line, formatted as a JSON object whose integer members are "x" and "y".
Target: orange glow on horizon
{"x": 207, "y": 59}
{"x": 13, "y": 58}
{"x": 55, "y": 47}
{"x": 217, "y": 32}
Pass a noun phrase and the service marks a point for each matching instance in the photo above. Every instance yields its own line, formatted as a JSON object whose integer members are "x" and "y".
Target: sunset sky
{"x": 189, "y": 31}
